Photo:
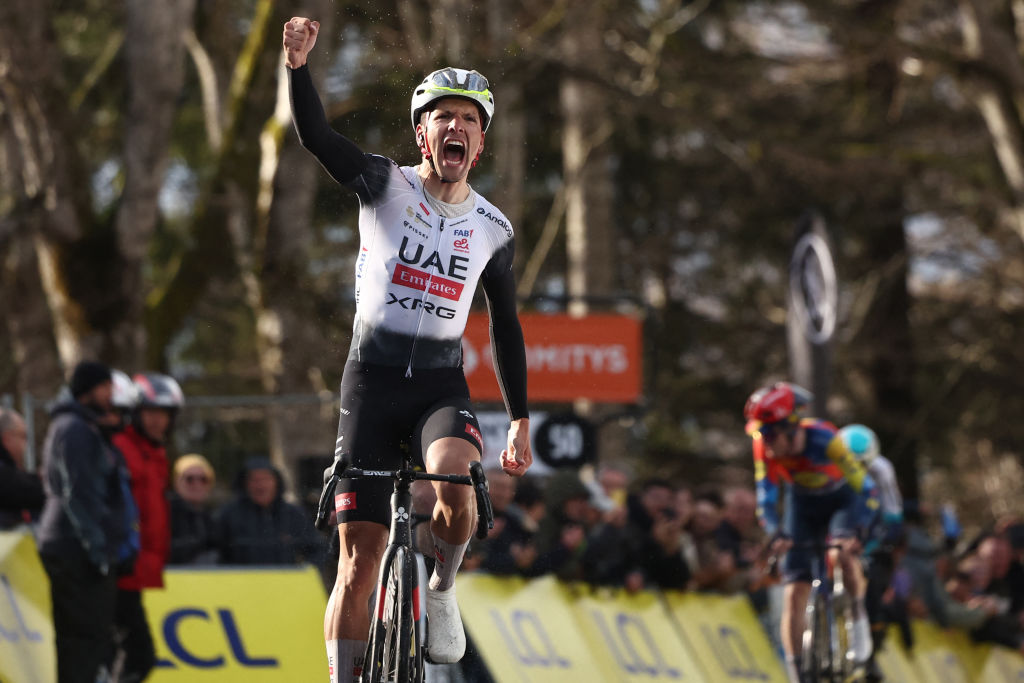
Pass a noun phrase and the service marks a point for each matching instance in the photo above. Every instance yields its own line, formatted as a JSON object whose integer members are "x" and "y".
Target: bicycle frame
{"x": 396, "y": 643}
{"x": 826, "y": 654}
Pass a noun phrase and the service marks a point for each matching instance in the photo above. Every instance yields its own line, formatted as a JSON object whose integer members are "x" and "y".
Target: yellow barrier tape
{"x": 935, "y": 659}
{"x": 636, "y": 636}
{"x": 894, "y": 660}
{"x": 27, "y": 653}
{"x": 238, "y": 625}
{"x": 726, "y": 637}
{"x": 1002, "y": 665}
{"x": 526, "y": 632}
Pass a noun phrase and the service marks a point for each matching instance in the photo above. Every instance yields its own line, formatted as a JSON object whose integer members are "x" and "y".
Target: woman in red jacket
{"x": 143, "y": 444}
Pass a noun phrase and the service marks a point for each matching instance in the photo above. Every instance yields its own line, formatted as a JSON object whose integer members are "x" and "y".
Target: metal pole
{"x": 28, "y": 409}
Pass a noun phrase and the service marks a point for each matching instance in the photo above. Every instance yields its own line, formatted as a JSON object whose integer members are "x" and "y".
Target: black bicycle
{"x": 395, "y": 647}
{"x": 826, "y": 654}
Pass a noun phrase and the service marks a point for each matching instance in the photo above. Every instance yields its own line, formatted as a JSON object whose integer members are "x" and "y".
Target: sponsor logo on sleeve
{"x": 475, "y": 433}
{"x": 497, "y": 219}
{"x": 344, "y": 501}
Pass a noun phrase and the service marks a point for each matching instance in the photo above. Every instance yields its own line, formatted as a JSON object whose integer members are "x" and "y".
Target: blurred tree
{"x": 155, "y": 208}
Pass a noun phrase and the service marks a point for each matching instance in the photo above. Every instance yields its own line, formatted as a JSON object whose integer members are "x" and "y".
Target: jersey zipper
{"x": 426, "y": 293}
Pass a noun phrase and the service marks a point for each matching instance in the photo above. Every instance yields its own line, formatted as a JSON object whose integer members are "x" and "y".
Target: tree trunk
{"x": 289, "y": 341}
{"x": 154, "y": 55}
{"x": 54, "y": 206}
{"x": 590, "y": 236}
{"x": 28, "y": 321}
{"x": 508, "y": 146}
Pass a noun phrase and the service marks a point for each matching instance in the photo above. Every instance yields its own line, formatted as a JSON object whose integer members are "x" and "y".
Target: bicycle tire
{"x": 394, "y": 650}
{"x": 840, "y": 630}
{"x": 815, "y": 662}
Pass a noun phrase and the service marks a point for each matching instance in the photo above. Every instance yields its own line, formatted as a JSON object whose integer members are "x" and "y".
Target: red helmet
{"x": 780, "y": 402}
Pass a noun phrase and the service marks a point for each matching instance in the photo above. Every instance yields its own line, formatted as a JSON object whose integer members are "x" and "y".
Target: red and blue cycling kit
{"x": 828, "y": 492}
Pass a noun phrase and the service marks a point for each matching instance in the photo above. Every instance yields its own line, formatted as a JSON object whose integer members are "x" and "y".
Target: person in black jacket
{"x": 259, "y": 527}
{"x": 21, "y": 493}
{"x": 83, "y": 524}
{"x": 192, "y": 528}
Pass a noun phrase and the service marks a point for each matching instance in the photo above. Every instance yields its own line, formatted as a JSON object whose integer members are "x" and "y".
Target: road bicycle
{"x": 396, "y": 645}
{"x": 826, "y": 654}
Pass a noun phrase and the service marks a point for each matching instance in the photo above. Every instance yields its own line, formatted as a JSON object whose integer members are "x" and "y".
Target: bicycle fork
{"x": 399, "y": 595}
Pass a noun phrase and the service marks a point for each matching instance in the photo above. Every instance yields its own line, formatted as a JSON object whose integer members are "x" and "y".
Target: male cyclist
{"x": 426, "y": 240}
{"x": 829, "y": 495}
{"x": 862, "y": 442}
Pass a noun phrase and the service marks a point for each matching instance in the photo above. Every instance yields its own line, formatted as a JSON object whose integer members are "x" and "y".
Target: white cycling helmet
{"x": 861, "y": 441}
{"x": 452, "y": 82}
{"x": 159, "y": 391}
{"x": 126, "y": 394}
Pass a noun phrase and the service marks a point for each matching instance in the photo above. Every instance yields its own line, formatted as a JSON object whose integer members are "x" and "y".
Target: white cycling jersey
{"x": 417, "y": 271}
{"x": 882, "y": 471}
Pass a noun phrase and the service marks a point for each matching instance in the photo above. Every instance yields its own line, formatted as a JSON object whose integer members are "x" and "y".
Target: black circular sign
{"x": 565, "y": 440}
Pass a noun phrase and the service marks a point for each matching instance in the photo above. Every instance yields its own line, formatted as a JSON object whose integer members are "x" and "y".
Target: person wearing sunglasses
{"x": 828, "y": 496}
{"x": 426, "y": 240}
{"x": 192, "y": 528}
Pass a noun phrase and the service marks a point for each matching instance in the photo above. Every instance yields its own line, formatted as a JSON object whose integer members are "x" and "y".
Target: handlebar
{"x": 342, "y": 470}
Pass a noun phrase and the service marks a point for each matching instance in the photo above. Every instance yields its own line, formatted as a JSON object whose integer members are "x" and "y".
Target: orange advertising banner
{"x": 597, "y": 357}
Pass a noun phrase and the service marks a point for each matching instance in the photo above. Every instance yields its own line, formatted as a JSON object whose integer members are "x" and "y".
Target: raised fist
{"x": 299, "y": 38}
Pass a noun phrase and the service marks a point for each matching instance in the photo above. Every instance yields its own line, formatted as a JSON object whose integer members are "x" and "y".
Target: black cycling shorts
{"x": 384, "y": 416}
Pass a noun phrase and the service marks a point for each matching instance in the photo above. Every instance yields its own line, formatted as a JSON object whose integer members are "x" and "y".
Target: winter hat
{"x": 186, "y": 462}
{"x": 87, "y": 375}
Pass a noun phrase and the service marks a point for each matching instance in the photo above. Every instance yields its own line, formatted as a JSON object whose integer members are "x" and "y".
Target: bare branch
{"x": 210, "y": 89}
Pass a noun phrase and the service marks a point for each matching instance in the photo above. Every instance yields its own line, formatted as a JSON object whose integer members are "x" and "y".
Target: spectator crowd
{"x": 109, "y": 513}
{"x": 110, "y": 510}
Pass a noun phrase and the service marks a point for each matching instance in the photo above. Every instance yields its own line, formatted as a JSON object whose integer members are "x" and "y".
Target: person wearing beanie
{"x": 192, "y": 531}
{"x": 86, "y": 376}
{"x": 83, "y": 527}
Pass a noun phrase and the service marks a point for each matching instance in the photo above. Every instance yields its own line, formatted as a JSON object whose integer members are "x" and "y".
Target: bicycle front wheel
{"x": 395, "y": 654}
{"x": 815, "y": 662}
{"x": 841, "y": 629}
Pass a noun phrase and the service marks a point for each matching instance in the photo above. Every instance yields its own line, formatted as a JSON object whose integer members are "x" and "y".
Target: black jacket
{"x": 85, "y": 507}
{"x": 19, "y": 492}
{"x": 192, "y": 533}
{"x": 277, "y": 535}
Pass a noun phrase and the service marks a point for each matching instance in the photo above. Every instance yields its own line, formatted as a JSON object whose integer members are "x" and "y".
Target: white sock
{"x": 345, "y": 655}
{"x": 447, "y": 559}
{"x": 862, "y": 638}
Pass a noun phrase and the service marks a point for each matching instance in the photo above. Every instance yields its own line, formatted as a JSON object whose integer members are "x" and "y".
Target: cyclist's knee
{"x": 450, "y": 455}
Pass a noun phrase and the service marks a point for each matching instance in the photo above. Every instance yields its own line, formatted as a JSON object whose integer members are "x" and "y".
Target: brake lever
{"x": 484, "y": 509}
{"x": 326, "y": 497}
{"x": 332, "y": 475}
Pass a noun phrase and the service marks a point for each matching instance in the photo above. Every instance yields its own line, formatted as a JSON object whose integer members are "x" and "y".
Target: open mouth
{"x": 454, "y": 152}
